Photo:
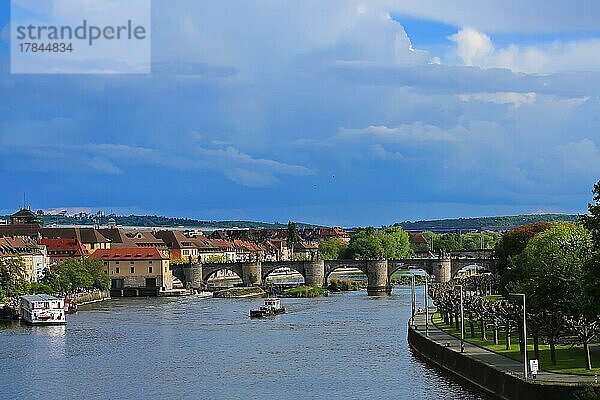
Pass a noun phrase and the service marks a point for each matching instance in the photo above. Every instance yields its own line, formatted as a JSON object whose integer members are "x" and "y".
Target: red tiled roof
{"x": 71, "y": 245}
{"x": 138, "y": 253}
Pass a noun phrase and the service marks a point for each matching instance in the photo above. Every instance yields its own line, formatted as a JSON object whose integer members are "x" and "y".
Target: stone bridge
{"x": 316, "y": 273}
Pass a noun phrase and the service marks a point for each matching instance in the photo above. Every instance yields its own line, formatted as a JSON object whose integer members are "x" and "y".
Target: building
{"x": 33, "y": 255}
{"x": 91, "y": 238}
{"x": 60, "y": 249}
{"x": 147, "y": 239}
{"x": 213, "y": 250}
{"x": 136, "y": 271}
{"x": 181, "y": 247}
{"x": 306, "y": 251}
{"x": 25, "y": 217}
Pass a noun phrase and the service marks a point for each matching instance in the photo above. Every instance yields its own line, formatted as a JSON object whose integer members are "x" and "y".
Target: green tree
{"x": 12, "y": 277}
{"x": 551, "y": 271}
{"x": 592, "y": 220}
{"x": 332, "y": 248}
{"x": 292, "y": 237}
{"x": 511, "y": 245}
{"x": 74, "y": 273}
{"x": 395, "y": 242}
{"x": 365, "y": 244}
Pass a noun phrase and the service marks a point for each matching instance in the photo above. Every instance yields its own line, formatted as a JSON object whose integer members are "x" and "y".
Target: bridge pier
{"x": 314, "y": 273}
{"x": 193, "y": 276}
{"x": 442, "y": 270}
{"x": 378, "y": 281}
{"x": 252, "y": 273}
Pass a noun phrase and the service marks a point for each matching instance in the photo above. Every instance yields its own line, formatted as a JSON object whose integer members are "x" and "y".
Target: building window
{"x": 131, "y": 262}
{"x": 149, "y": 270}
{"x": 132, "y": 269}
{"x": 117, "y": 270}
{"x": 117, "y": 262}
{"x": 150, "y": 262}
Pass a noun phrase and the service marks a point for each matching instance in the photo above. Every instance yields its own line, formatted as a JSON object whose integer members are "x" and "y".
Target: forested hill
{"x": 483, "y": 223}
{"x": 158, "y": 221}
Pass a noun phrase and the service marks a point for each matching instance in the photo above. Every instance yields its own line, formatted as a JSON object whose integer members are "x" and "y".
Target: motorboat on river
{"x": 271, "y": 307}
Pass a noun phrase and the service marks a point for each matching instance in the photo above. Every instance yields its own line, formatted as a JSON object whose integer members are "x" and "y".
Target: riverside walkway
{"x": 497, "y": 361}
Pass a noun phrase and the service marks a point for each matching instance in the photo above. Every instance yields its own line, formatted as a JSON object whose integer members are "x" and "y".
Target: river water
{"x": 343, "y": 346}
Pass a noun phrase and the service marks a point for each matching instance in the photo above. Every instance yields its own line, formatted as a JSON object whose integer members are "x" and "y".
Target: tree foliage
{"x": 514, "y": 242}
{"x": 552, "y": 268}
{"x": 12, "y": 277}
{"x": 371, "y": 244}
{"x": 332, "y": 249}
{"x": 592, "y": 220}
{"x": 293, "y": 237}
{"x": 74, "y": 274}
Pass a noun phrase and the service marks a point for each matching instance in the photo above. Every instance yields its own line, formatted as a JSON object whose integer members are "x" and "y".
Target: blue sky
{"x": 342, "y": 113}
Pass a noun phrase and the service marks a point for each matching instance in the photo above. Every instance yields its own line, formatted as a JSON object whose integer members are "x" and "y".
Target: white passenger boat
{"x": 43, "y": 309}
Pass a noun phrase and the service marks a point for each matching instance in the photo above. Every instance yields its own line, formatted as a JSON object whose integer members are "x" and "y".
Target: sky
{"x": 338, "y": 113}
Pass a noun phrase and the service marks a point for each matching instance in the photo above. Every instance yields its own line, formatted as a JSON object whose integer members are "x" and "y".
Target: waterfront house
{"x": 136, "y": 271}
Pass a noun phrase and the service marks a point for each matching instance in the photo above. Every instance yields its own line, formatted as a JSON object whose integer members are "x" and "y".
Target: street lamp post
{"x": 426, "y": 309}
{"x": 412, "y": 298}
{"x": 524, "y": 335}
{"x": 462, "y": 320}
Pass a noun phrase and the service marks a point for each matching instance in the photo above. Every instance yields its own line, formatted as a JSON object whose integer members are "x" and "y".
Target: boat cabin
{"x": 273, "y": 303}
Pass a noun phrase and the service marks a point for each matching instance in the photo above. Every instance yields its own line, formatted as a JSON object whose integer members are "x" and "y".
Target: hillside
{"x": 158, "y": 221}
{"x": 483, "y": 223}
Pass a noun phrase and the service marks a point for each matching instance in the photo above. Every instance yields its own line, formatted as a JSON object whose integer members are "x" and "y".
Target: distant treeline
{"x": 158, "y": 221}
{"x": 484, "y": 223}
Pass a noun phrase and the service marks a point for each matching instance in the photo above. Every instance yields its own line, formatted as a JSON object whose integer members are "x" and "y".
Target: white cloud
{"x": 477, "y": 49}
{"x": 514, "y": 98}
{"x": 417, "y": 132}
{"x": 472, "y": 46}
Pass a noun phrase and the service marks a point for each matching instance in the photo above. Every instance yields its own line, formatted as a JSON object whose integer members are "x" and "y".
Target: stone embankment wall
{"x": 486, "y": 377}
{"x": 92, "y": 297}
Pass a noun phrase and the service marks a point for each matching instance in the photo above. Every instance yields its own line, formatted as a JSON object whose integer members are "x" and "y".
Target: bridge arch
{"x": 333, "y": 265}
{"x": 210, "y": 269}
{"x": 270, "y": 267}
{"x": 487, "y": 264}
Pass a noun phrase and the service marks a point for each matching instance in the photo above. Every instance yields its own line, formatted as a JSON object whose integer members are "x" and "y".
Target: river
{"x": 343, "y": 346}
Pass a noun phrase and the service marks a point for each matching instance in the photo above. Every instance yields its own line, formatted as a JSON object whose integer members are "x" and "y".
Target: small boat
{"x": 202, "y": 295}
{"x": 271, "y": 307}
{"x": 70, "y": 306}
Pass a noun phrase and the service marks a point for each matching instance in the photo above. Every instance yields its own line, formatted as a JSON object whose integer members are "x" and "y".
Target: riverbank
{"x": 82, "y": 299}
{"x": 239, "y": 292}
{"x": 496, "y": 375}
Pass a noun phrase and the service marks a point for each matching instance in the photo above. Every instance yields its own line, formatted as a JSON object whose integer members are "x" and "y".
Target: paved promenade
{"x": 495, "y": 360}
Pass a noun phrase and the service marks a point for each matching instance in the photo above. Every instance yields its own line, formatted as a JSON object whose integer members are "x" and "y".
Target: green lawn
{"x": 569, "y": 360}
